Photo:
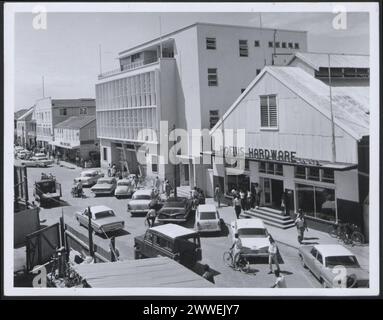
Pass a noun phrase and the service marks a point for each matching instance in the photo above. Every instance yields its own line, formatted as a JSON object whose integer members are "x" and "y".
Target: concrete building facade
{"x": 188, "y": 78}
{"x": 26, "y": 129}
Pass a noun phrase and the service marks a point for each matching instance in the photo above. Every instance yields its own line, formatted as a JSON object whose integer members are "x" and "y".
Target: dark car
{"x": 47, "y": 191}
{"x": 175, "y": 210}
{"x": 170, "y": 240}
{"x": 104, "y": 186}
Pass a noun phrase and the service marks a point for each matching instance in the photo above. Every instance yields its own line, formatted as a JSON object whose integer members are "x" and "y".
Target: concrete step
{"x": 269, "y": 213}
{"x": 270, "y": 210}
{"x": 271, "y": 219}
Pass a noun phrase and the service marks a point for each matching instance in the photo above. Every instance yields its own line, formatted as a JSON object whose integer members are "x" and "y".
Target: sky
{"x": 67, "y": 52}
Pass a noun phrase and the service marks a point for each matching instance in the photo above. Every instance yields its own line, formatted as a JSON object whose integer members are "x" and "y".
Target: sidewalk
{"x": 289, "y": 236}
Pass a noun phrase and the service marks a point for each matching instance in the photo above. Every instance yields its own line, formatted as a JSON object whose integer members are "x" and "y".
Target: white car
{"x": 207, "y": 219}
{"x": 334, "y": 266}
{"x": 103, "y": 219}
{"x": 140, "y": 201}
{"x": 89, "y": 178}
{"x": 253, "y": 235}
{"x": 125, "y": 188}
{"x": 38, "y": 160}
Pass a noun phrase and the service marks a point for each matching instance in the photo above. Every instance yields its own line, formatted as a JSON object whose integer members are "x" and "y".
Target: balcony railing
{"x": 128, "y": 67}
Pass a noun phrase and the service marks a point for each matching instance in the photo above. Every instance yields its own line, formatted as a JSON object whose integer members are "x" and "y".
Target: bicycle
{"x": 242, "y": 264}
{"x": 348, "y": 233}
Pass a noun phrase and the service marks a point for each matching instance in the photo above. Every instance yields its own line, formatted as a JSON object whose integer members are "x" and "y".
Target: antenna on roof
{"x": 159, "y": 17}
{"x": 331, "y": 113}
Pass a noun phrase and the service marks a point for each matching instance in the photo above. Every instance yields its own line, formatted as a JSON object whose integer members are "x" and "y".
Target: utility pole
{"x": 90, "y": 233}
{"x": 274, "y": 47}
{"x": 332, "y": 114}
{"x": 175, "y": 165}
{"x": 43, "y": 86}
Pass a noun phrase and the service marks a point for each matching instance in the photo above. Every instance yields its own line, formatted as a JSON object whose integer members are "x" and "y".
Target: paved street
{"x": 213, "y": 247}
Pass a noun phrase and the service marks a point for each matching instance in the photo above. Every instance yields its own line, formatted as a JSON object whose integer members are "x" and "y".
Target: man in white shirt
{"x": 273, "y": 255}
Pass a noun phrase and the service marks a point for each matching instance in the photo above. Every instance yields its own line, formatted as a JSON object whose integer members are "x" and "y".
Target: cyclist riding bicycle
{"x": 236, "y": 250}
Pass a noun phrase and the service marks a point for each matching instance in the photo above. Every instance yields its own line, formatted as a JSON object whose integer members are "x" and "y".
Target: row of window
{"x": 211, "y": 44}
{"x": 343, "y": 72}
{"x": 68, "y": 135}
{"x": 135, "y": 91}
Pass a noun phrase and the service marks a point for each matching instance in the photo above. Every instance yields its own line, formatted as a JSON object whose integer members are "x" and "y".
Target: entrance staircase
{"x": 271, "y": 217}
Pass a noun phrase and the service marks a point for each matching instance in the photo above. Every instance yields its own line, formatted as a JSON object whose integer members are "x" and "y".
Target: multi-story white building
{"x": 189, "y": 78}
{"x": 49, "y": 112}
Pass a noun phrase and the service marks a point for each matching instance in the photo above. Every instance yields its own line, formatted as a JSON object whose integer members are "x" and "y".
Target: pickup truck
{"x": 170, "y": 240}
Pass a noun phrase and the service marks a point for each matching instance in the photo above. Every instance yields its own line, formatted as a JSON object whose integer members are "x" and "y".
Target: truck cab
{"x": 170, "y": 240}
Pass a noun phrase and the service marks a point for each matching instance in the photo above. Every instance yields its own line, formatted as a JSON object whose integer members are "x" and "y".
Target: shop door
{"x": 276, "y": 193}
{"x": 266, "y": 194}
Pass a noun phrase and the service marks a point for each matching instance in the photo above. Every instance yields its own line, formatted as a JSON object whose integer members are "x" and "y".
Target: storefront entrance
{"x": 272, "y": 192}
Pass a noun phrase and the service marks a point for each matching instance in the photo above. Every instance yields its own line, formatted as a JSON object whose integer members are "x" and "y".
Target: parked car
{"x": 175, "y": 210}
{"x": 207, "y": 219}
{"x": 23, "y": 154}
{"x": 169, "y": 240}
{"x": 38, "y": 160}
{"x": 125, "y": 188}
{"x": 253, "y": 235}
{"x": 103, "y": 219}
{"x": 139, "y": 204}
{"x": 89, "y": 178}
{"x": 104, "y": 186}
{"x": 322, "y": 259}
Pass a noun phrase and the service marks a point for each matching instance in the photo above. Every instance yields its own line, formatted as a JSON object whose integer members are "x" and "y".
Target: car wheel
{"x": 303, "y": 262}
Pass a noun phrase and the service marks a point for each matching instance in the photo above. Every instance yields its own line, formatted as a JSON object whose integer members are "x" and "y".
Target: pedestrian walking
{"x": 273, "y": 255}
{"x": 280, "y": 281}
{"x": 114, "y": 170}
{"x": 109, "y": 170}
{"x": 258, "y": 191}
{"x": 283, "y": 204}
{"x": 249, "y": 199}
{"x": 151, "y": 217}
{"x": 237, "y": 206}
{"x": 168, "y": 188}
{"x": 300, "y": 223}
{"x": 157, "y": 184}
{"x": 208, "y": 274}
{"x": 218, "y": 195}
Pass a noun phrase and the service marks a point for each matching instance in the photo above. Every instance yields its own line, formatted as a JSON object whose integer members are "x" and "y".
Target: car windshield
{"x": 174, "y": 204}
{"x": 346, "y": 261}
{"x": 141, "y": 197}
{"x": 252, "y": 232}
{"x": 123, "y": 183}
{"x": 104, "y": 214}
{"x": 86, "y": 174}
{"x": 208, "y": 215}
{"x": 102, "y": 181}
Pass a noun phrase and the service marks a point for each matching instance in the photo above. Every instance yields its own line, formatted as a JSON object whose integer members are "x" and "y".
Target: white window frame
{"x": 269, "y": 127}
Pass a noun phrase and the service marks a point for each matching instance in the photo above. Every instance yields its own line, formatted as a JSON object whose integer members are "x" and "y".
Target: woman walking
{"x": 237, "y": 206}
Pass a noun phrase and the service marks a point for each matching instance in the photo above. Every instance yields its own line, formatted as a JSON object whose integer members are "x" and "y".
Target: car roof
{"x": 329, "y": 250}
{"x": 173, "y": 230}
{"x": 97, "y": 209}
{"x": 144, "y": 191}
{"x": 88, "y": 171}
{"x": 106, "y": 178}
{"x": 123, "y": 180}
{"x": 250, "y": 223}
{"x": 207, "y": 208}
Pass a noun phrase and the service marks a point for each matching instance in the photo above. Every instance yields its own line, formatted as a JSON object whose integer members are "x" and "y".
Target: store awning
{"x": 70, "y": 147}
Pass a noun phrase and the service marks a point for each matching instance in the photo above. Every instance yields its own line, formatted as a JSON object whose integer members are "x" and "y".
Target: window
{"x": 296, "y": 45}
{"x": 154, "y": 164}
{"x": 277, "y": 44}
{"x": 290, "y": 45}
{"x": 317, "y": 202}
{"x": 104, "y": 154}
{"x": 135, "y": 57}
{"x": 283, "y": 44}
{"x": 313, "y": 174}
{"x": 213, "y": 117}
{"x": 258, "y": 71}
{"x": 262, "y": 167}
{"x": 63, "y": 112}
{"x": 83, "y": 110}
{"x": 278, "y": 169}
{"x": 256, "y": 43}
{"x": 327, "y": 175}
{"x": 243, "y": 49}
{"x": 271, "y": 168}
{"x": 319, "y": 258}
{"x": 300, "y": 172}
{"x": 270, "y": 44}
{"x": 314, "y": 252}
{"x": 243, "y": 90}
{"x": 212, "y": 77}
{"x": 269, "y": 116}
{"x": 211, "y": 43}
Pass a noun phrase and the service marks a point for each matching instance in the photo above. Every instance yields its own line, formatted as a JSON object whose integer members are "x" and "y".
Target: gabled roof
{"x": 318, "y": 60}
{"x": 350, "y": 105}
{"x": 67, "y": 103}
{"x": 26, "y": 115}
{"x": 76, "y": 122}
{"x": 19, "y": 113}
